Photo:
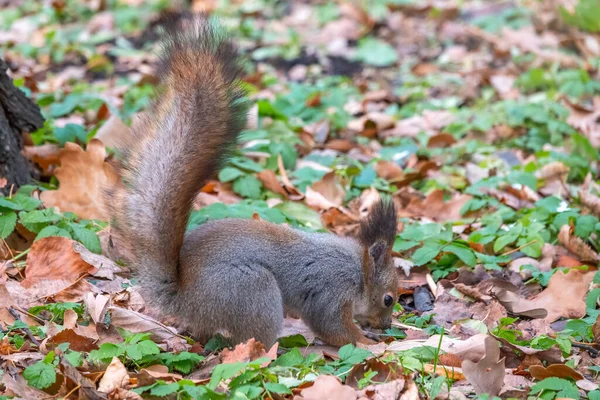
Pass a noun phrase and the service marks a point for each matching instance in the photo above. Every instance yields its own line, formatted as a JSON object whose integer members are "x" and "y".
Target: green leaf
{"x": 107, "y": 351}
{"x": 8, "y": 221}
{"x": 296, "y": 340}
{"x": 87, "y": 237}
{"x": 225, "y": 371}
{"x": 426, "y": 253}
{"x": 353, "y": 355}
{"x": 52, "y": 230}
{"x": 585, "y": 225}
{"x": 277, "y": 388}
{"x": 375, "y": 52}
{"x": 403, "y": 245}
{"x": 148, "y": 347}
{"x": 70, "y": 133}
{"x": 594, "y": 395}
{"x": 40, "y": 375}
{"x": 74, "y": 358}
{"x": 229, "y": 174}
{"x": 248, "y": 186}
{"x": 563, "y": 386}
{"x": 300, "y": 213}
{"x": 366, "y": 178}
{"x": 163, "y": 389}
{"x": 508, "y": 238}
{"x": 463, "y": 252}
{"x": 292, "y": 358}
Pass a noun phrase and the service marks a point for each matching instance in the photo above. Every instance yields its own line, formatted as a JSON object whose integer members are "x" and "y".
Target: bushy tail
{"x": 179, "y": 143}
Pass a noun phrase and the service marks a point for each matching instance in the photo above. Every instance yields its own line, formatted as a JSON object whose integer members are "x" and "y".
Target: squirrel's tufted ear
{"x": 378, "y": 230}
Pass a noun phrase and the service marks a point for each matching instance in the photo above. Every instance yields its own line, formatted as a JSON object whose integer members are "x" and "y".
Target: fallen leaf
{"x": 487, "y": 375}
{"x": 83, "y": 175}
{"x": 115, "y": 376}
{"x": 557, "y": 370}
{"x": 96, "y": 306}
{"x": 328, "y": 387}
{"x": 389, "y": 170}
{"x": 435, "y": 208}
{"x": 54, "y": 258}
{"x": 329, "y": 187}
{"x": 385, "y": 372}
{"x": 577, "y": 246}
{"x": 441, "y": 140}
{"x": 248, "y": 351}
{"x": 269, "y": 180}
{"x": 565, "y": 294}
{"x": 136, "y": 322}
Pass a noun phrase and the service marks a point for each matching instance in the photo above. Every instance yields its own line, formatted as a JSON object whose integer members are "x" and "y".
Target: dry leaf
{"x": 389, "y": 170}
{"x": 556, "y": 370}
{"x": 487, "y": 375}
{"x": 326, "y": 193}
{"x": 112, "y": 132}
{"x": 385, "y": 372}
{"x": 136, "y": 322}
{"x": 248, "y": 351}
{"x": 435, "y": 208}
{"x": 328, "y": 387}
{"x": 96, "y": 306}
{"x": 441, "y": 140}
{"x": 577, "y": 246}
{"x": 83, "y": 175}
{"x": 115, "y": 376}
{"x": 269, "y": 180}
{"x": 565, "y": 295}
{"x": 54, "y": 258}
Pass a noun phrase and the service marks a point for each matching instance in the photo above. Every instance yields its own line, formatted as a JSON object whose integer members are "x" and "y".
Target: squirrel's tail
{"x": 177, "y": 145}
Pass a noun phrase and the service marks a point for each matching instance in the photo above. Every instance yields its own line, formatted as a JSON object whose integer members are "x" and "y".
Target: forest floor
{"x": 481, "y": 120}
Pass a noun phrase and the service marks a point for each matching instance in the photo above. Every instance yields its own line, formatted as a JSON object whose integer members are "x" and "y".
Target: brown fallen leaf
{"x": 248, "y": 351}
{"x": 112, "y": 132}
{"x": 389, "y": 390}
{"x": 136, "y": 322}
{"x": 435, "y": 208}
{"x": 389, "y": 170}
{"x": 46, "y": 156}
{"x": 269, "y": 180}
{"x": 83, "y": 175}
{"x": 586, "y": 121}
{"x": 385, "y": 372}
{"x": 96, "y": 306}
{"x": 54, "y": 258}
{"x": 588, "y": 199}
{"x": 487, "y": 375}
{"x": 115, "y": 376}
{"x": 328, "y": 387}
{"x": 517, "y": 305}
{"x": 329, "y": 187}
{"x": 556, "y": 370}
{"x": 148, "y": 376}
{"x": 565, "y": 295}
{"x": 577, "y": 246}
{"x": 441, "y": 140}
{"x": 372, "y": 123}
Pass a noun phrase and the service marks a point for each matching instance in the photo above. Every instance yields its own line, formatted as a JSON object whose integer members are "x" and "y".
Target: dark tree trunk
{"x": 18, "y": 114}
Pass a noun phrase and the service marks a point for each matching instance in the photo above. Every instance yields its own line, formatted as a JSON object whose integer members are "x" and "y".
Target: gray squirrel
{"x": 234, "y": 276}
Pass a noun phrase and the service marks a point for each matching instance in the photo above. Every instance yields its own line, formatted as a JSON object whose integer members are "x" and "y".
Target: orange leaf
{"x": 83, "y": 175}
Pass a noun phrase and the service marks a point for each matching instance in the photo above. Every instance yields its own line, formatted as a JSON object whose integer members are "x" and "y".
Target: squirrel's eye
{"x": 388, "y": 300}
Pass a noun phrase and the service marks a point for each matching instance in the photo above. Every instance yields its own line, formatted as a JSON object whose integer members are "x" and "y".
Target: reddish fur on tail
{"x": 177, "y": 145}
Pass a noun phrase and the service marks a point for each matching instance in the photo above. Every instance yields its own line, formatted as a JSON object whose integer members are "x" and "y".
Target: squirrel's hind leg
{"x": 259, "y": 313}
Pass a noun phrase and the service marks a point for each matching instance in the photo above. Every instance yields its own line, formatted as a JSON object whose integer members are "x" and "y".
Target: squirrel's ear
{"x": 378, "y": 250}
{"x": 379, "y": 226}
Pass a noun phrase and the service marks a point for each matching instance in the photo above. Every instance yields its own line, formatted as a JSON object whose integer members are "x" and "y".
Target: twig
{"x": 17, "y": 317}
{"x": 38, "y": 319}
{"x": 72, "y": 391}
{"x": 518, "y": 248}
{"x": 589, "y": 348}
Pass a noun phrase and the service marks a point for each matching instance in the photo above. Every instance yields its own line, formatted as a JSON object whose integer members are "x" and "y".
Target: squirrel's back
{"x": 178, "y": 144}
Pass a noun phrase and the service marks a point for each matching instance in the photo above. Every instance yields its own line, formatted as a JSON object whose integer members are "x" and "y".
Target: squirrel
{"x": 235, "y": 276}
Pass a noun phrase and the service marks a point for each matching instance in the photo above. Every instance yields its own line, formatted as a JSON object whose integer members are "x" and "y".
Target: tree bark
{"x": 18, "y": 114}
